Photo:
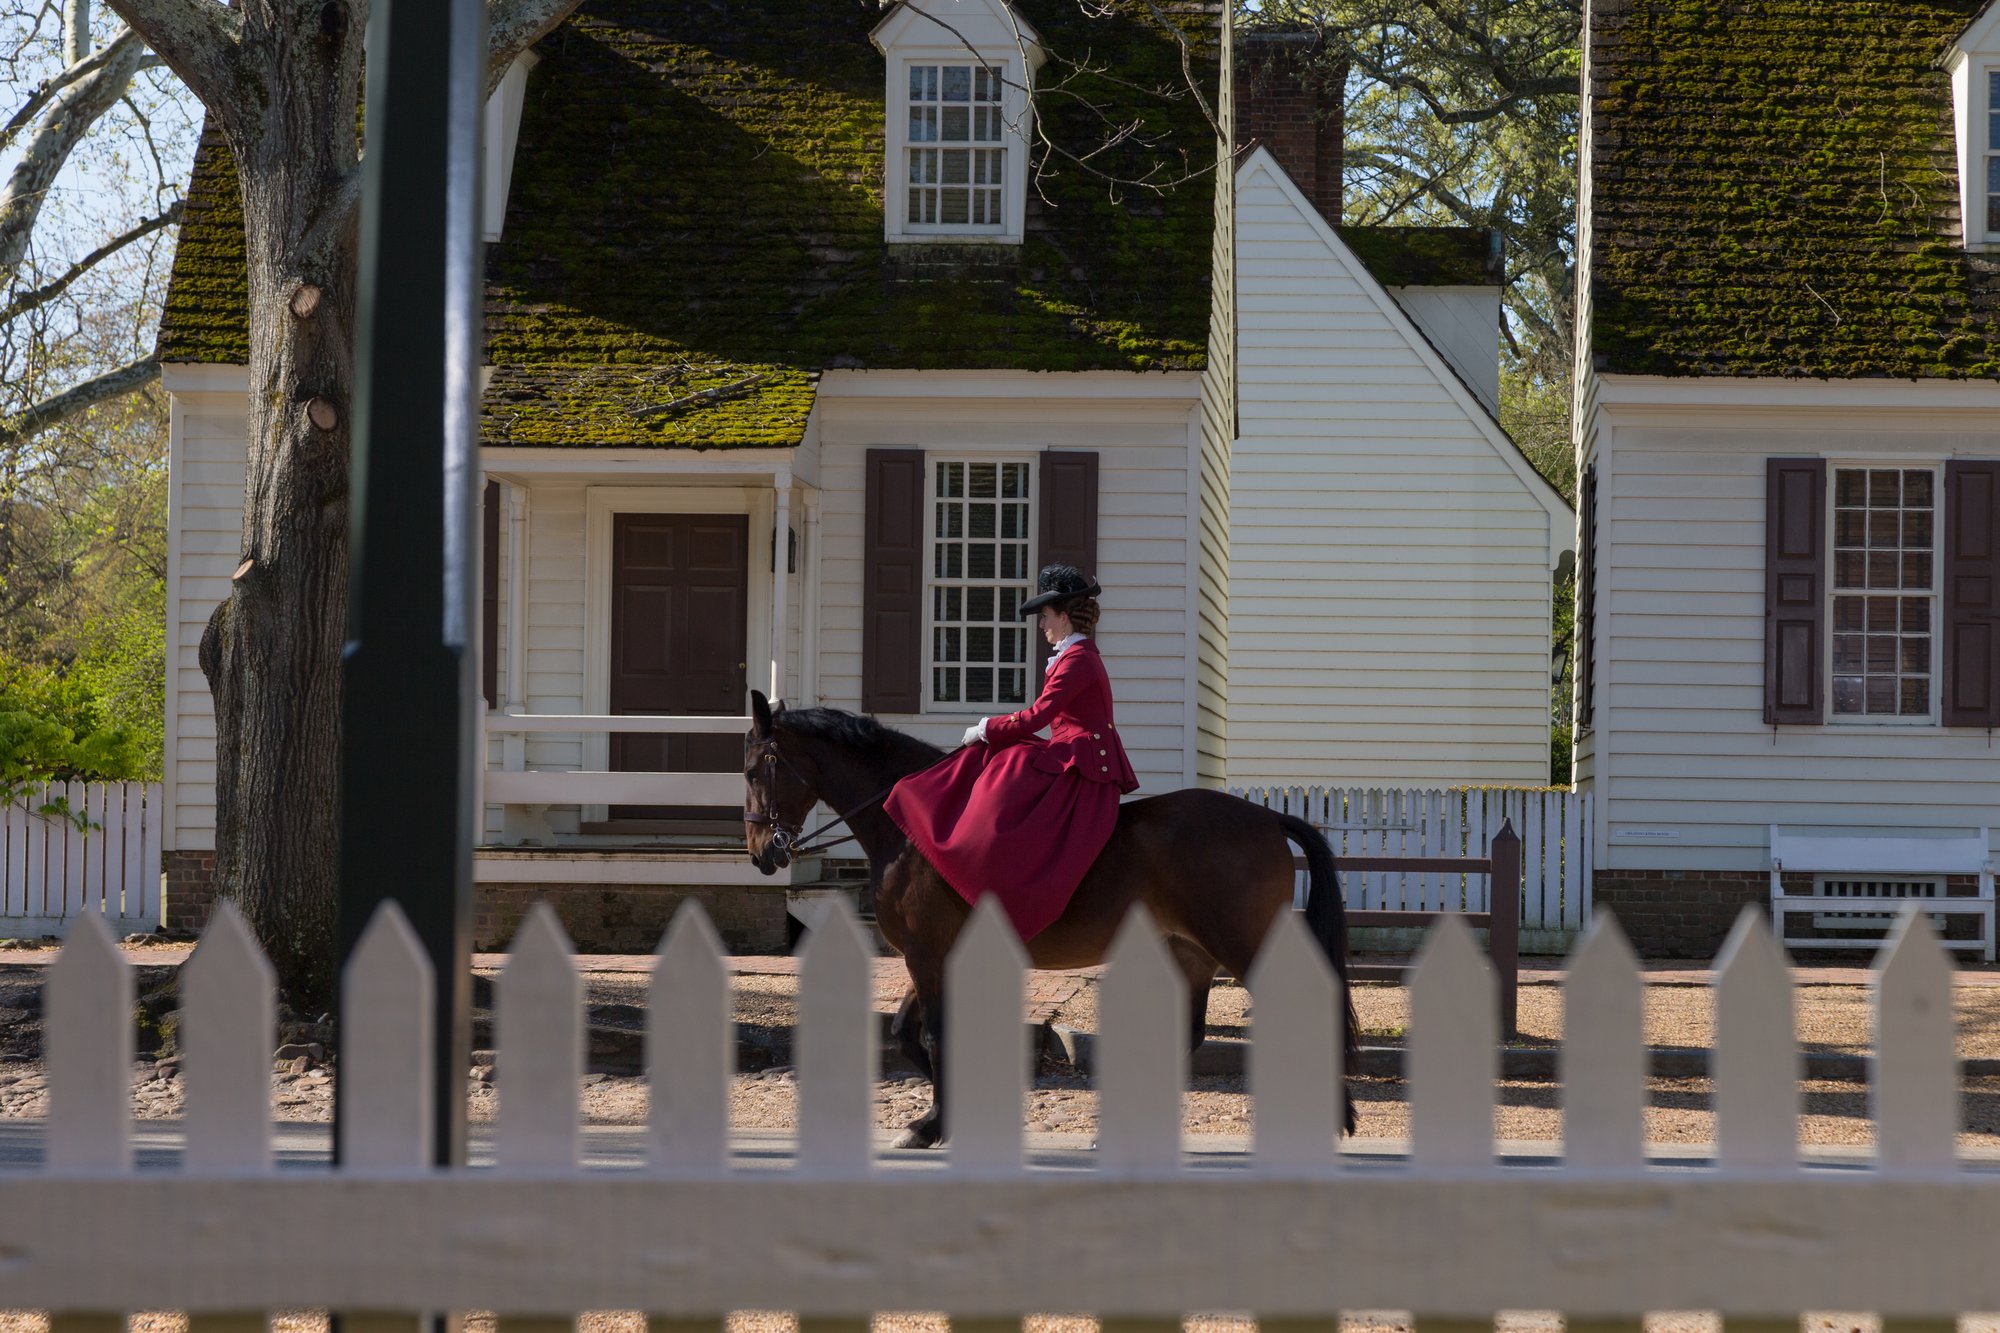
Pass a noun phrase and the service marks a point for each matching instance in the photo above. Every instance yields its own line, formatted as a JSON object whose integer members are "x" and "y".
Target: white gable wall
{"x": 1391, "y": 551}
{"x": 1688, "y": 775}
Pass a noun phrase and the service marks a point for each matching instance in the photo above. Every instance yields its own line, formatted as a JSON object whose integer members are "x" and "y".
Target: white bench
{"x": 1859, "y": 878}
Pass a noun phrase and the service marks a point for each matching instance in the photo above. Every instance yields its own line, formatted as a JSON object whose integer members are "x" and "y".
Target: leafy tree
{"x": 280, "y": 80}
{"x": 96, "y": 148}
{"x": 1464, "y": 112}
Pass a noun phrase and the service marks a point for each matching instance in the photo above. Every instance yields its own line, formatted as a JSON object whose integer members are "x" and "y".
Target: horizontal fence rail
{"x": 1452, "y": 822}
{"x": 514, "y": 783}
{"x": 102, "y": 858}
{"x": 1297, "y": 1230}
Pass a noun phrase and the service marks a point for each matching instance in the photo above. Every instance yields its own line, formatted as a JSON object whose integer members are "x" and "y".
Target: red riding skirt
{"x": 1016, "y": 821}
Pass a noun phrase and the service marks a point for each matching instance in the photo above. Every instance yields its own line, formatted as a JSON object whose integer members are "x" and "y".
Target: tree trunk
{"x": 272, "y": 651}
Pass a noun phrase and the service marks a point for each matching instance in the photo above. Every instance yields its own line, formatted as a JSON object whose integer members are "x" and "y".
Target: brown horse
{"x": 1213, "y": 870}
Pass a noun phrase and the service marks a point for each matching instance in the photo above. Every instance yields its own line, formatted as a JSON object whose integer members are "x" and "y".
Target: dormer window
{"x": 953, "y": 180}
{"x": 958, "y": 111}
{"x": 1974, "y": 62}
{"x": 1992, "y": 172}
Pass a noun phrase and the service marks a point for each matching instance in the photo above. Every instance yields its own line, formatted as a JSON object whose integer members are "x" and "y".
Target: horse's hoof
{"x": 915, "y": 1138}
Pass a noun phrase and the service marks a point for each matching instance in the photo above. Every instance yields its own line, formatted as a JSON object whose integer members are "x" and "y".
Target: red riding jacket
{"x": 1075, "y": 705}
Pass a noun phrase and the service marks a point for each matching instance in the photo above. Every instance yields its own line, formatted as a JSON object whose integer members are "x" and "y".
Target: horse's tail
{"x": 1326, "y": 917}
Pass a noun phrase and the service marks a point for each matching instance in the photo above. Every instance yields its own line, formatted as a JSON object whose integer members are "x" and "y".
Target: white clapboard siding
{"x": 52, "y": 871}
{"x": 1390, "y": 550}
{"x": 1699, "y": 776}
{"x": 205, "y": 514}
{"x": 1137, "y": 1232}
{"x": 1555, "y": 835}
{"x": 1147, "y": 546}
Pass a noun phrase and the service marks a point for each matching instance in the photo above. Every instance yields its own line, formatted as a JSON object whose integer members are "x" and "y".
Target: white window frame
{"x": 1014, "y": 113}
{"x": 932, "y": 461}
{"x": 1835, "y": 466}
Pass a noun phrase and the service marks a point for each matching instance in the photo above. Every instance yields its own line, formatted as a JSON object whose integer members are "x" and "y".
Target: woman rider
{"x": 1017, "y": 816}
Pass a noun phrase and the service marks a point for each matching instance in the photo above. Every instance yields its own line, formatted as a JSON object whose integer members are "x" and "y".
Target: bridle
{"x": 787, "y": 841}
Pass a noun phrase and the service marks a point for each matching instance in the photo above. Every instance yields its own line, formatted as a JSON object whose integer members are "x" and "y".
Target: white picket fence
{"x": 52, "y": 870}
{"x": 1294, "y": 1228}
{"x": 1386, "y": 821}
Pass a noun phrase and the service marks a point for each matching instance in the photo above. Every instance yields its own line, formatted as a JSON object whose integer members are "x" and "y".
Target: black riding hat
{"x": 1059, "y": 583}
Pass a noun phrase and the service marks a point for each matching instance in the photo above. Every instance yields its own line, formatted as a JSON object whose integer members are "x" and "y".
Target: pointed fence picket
{"x": 1137, "y": 1230}
{"x": 1460, "y": 821}
{"x": 53, "y": 870}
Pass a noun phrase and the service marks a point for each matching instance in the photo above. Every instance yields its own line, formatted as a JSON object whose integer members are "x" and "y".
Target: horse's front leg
{"x": 908, "y": 1030}
{"x": 927, "y": 1130}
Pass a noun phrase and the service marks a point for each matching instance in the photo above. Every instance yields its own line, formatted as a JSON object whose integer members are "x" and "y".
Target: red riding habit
{"x": 1021, "y": 817}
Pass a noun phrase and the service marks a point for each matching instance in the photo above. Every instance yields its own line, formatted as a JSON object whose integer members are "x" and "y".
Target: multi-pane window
{"x": 1884, "y": 593}
{"x": 953, "y": 180}
{"x": 1992, "y": 150}
{"x": 982, "y": 515}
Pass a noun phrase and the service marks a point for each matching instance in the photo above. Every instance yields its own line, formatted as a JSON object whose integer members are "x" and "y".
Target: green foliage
{"x": 1464, "y": 112}
{"x": 83, "y": 591}
{"x": 1776, "y": 195}
{"x": 1536, "y": 413}
{"x": 58, "y": 728}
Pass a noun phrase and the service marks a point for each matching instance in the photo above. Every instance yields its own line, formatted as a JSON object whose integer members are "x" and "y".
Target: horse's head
{"x": 779, "y": 790}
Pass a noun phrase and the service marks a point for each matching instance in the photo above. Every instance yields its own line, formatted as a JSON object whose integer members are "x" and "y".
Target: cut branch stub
{"x": 249, "y": 563}
{"x": 322, "y": 413}
{"x": 305, "y": 300}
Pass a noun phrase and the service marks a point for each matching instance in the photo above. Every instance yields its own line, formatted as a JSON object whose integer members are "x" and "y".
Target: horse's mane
{"x": 853, "y": 731}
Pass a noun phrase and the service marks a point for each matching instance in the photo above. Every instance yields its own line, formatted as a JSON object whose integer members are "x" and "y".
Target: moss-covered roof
{"x": 1775, "y": 192}
{"x": 206, "y": 318}
{"x": 1427, "y": 256}
{"x": 694, "y": 226}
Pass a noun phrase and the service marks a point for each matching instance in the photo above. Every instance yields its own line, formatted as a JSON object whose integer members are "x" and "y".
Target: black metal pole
{"x": 408, "y": 779}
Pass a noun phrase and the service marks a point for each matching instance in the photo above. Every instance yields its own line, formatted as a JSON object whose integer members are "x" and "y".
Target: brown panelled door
{"x": 680, "y": 596}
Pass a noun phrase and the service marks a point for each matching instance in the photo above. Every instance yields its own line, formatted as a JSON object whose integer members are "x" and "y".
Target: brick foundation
{"x": 1688, "y": 913}
{"x": 190, "y": 891}
{"x": 617, "y": 919}
{"x": 630, "y": 918}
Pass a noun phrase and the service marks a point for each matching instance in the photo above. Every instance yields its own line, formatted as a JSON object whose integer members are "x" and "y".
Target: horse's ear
{"x": 760, "y": 714}
{"x": 777, "y": 707}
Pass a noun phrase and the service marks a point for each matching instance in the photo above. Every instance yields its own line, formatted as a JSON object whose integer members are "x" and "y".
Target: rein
{"x": 794, "y": 843}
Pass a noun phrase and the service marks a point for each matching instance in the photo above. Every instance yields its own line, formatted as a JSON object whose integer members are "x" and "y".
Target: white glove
{"x": 975, "y": 732}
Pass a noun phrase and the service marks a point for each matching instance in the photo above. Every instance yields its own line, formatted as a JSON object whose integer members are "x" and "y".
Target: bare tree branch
{"x": 56, "y": 136}
{"x": 75, "y": 401}
{"x": 512, "y": 26}
{"x": 49, "y": 291}
{"x": 76, "y": 30}
{"x": 43, "y": 94}
{"x": 200, "y": 41}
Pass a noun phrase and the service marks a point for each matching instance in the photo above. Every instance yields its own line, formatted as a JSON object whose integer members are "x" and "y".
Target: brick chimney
{"x": 1289, "y": 100}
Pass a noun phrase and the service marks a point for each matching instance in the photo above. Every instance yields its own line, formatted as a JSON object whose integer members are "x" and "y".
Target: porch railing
{"x": 514, "y": 783}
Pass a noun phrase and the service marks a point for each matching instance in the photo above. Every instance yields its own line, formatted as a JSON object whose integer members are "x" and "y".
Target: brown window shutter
{"x": 1069, "y": 521}
{"x": 1971, "y": 681}
{"x": 892, "y": 583}
{"x": 1584, "y": 629}
{"x": 1794, "y": 590}
{"x": 489, "y": 597}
